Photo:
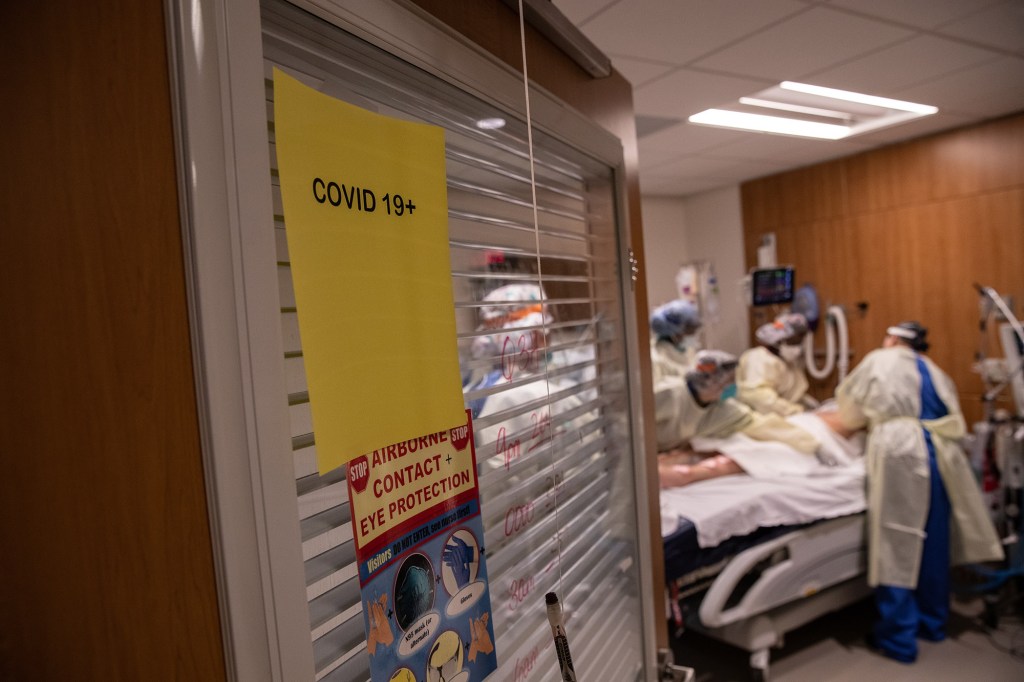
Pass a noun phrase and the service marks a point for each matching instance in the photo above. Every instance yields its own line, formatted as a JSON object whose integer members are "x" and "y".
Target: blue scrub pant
{"x": 904, "y": 614}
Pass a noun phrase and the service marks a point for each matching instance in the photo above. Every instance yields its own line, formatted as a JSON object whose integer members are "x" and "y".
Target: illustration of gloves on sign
{"x": 460, "y": 559}
{"x": 380, "y": 629}
{"x": 460, "y": 571}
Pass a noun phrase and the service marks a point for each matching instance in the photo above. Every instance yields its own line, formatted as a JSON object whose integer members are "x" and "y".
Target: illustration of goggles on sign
{"x": 445, "y": 661}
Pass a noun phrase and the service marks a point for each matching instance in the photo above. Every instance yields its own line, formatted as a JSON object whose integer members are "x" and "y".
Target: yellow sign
{"x": 366, "y": 215}
{"x": 399, "y": 488}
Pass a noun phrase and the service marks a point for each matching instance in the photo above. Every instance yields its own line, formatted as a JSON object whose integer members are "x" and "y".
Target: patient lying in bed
{"x": 711, "y": 458}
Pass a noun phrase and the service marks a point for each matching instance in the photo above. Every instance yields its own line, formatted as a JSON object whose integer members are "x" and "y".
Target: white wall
{"x": 706, "y": 226}
{"x": 664, "y": 246}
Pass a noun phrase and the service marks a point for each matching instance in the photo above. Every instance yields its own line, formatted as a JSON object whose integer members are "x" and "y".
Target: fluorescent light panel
{"x": 770, "y": 124}
{"x": 893, "y": 112}
{"x": 795, "y": 108}
{"x": 848, "y": 96}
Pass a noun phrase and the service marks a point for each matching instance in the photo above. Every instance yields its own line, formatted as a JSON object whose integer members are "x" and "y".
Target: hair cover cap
{"x": 712, "y": 366}
{"x": 515, "y": 305}
{"x": 790, "y": 327}
{"x": 675, "y": 318}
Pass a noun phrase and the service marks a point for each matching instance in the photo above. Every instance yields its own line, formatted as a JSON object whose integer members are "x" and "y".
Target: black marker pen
{"x": 561, "y": 642}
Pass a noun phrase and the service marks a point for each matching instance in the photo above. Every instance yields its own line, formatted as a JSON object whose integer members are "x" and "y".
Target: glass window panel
{"x": 540, "y": 333}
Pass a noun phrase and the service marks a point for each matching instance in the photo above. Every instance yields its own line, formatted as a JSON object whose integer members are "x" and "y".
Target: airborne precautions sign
{"x": 366, "y": 217}
{"x": 418, "y": 536}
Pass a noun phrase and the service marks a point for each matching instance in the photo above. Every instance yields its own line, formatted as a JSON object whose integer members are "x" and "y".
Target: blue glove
{"x": 458, "y": 556}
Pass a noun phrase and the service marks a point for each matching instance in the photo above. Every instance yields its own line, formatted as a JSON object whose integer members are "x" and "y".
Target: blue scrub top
{"x": 932, "y": 406}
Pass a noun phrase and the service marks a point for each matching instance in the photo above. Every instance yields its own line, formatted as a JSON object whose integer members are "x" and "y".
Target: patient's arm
{"x": 673, "y": 474}
{"x": 831, "y": 419}
{"x": 679, "y": 456}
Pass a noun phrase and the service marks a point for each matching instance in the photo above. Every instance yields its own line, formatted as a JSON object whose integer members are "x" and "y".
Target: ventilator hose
{"x": 830, "y": 350}
{"x": 833, "y": 358}
{"x": 843, "y": 355}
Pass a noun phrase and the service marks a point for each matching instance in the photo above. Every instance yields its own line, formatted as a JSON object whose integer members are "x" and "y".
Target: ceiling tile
{"x": 986, "y": 91}
{"x": 578, "y": 11}
{"x": 955, "y": 54}
{"x": 670, "y": 187}
{"x": 681, "y": 30}
{"x": 917, "y": 128}
{"x": 1000, "y": 25}
{"x": 890, "y": 70}
{"x": 760, "y": 147}
{"x": 711, "y": 167}
{"x": 685, "y": 92}
{"x": 638, "y": 71}
{"x": 807, "y": 43}
{"x": 680, "y": 140}
{"x": 778, "y": 149}
{"x": 922, "y": 13}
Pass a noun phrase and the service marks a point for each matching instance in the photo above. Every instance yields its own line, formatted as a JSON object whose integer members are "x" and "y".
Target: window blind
{"x": 540, "y": 332}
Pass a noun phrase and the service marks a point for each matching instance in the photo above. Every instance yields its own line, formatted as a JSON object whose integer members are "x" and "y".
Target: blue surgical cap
{"x": 675, "y": 318}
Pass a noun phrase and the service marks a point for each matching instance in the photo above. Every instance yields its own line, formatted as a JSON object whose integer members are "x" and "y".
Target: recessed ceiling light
{"x": 795, "y": 108}
{"x": 770, "y": 124}
{"x": 490, "y": 123}
{"x": 848, "y": 96}
{"x": 812, "y": 111}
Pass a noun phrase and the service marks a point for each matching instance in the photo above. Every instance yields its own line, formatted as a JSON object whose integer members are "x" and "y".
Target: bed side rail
{"x": 794, "y": 566}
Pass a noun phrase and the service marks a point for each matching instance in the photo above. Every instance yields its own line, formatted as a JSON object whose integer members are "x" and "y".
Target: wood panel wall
{"x": 105, "y": 551}
{"x": 906, "y": 230}
{"x": 609, "y": 102}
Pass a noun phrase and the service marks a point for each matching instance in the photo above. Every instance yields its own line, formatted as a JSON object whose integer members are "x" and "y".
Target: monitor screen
{"x": 772, "y": 286}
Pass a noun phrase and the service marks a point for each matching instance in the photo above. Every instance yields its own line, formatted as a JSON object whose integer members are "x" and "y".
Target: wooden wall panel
{"x": 807, "y": 194}
{"x": 814, "y": 193}
{"x": 761, "y": 213}
{"x": 919, "y": 224}
{"x": 978, "y": 159}
{"x": 887, "y": 178}
{"x": 106, "y": 563}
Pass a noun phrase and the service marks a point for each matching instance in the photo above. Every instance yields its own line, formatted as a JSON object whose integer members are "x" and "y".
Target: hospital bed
{"x": 749, "y": 559}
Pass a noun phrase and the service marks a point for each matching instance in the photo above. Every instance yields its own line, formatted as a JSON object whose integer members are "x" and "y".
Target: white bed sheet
{"x": 781, "y": 487}
{"x": 740, "y": 504}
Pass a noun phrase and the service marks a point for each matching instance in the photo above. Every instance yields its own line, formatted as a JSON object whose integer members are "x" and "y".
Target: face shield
{"x": 514, "y": 324}
{"x": 444, "y": 661}
{"x": 713, "y": 376}
{"x": 910, "y": 333}
{"x": 784, "y": 336}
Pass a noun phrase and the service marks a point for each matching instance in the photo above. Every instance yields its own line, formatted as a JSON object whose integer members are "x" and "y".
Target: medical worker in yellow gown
{"x": 673, "y": 348}
{"x": 771, "y": 377}
{"x": 700, "y": 405}
{"x": 924, "y": 506}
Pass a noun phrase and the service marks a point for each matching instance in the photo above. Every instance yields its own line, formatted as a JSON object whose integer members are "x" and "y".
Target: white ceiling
{"x": 683, "y": 56}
